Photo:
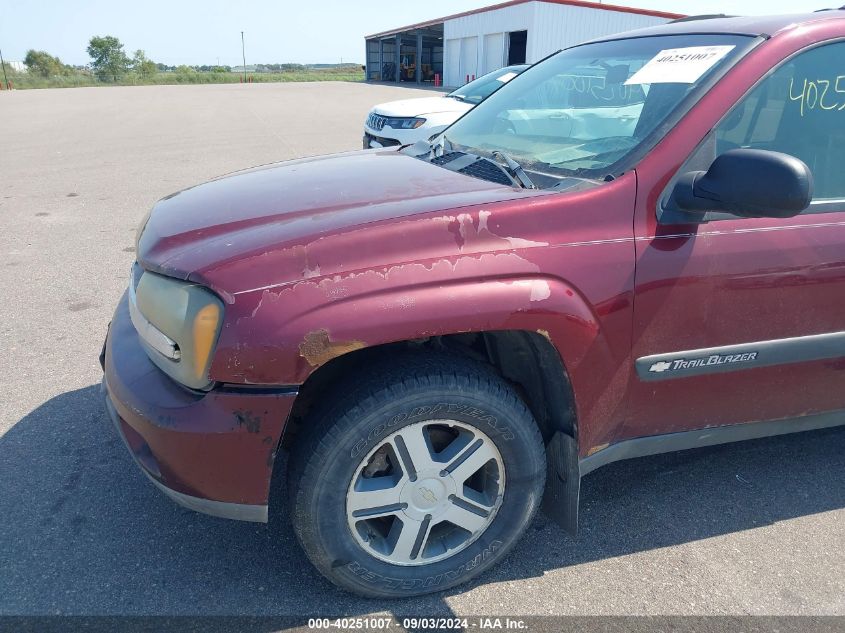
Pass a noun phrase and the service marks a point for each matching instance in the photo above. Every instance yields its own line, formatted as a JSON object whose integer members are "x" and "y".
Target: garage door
{"x": 452, "y": 70}
{"x": 469, "y": 58}
{"x": 494, "y": 52}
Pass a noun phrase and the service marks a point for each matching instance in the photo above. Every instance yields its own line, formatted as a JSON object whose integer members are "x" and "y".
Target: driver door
{"x": 749, "y": 287}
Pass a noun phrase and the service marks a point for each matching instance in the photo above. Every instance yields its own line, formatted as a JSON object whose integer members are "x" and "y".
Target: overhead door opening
{"x": 517, "y": 42}
{"x": 412, "y": 55}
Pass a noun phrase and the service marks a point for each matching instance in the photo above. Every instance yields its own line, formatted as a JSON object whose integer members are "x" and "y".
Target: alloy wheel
{"x": 425, "y": 492}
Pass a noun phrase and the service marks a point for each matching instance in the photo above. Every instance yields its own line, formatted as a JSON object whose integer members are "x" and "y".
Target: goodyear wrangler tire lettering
{"x": 428, "y": 582}
{"x": 432, "y": 411}
{"x": 351, "y": 440}
{"x": 358, "y": 448}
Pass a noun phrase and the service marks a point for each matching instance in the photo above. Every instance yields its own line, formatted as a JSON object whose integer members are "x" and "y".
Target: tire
{"x": 382, "y": 517}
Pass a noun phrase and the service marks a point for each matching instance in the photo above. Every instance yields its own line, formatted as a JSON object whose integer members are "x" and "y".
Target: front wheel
{"x": 417, "y": 478}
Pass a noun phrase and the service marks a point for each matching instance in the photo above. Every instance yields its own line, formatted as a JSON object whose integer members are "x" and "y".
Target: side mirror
{"x": 750, "y": 183}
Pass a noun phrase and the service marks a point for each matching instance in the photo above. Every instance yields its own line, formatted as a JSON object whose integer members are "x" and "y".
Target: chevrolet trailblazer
{"x": 555, "y": 286}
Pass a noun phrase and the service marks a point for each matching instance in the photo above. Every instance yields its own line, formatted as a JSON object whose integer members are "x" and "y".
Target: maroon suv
{"x": 636, "y": 246}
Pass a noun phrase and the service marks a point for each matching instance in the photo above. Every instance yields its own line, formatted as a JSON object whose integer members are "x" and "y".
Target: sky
{"x": 197, "y": 32}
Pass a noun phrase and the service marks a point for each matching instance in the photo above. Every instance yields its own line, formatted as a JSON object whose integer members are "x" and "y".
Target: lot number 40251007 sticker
{"x": 679, "y": 65}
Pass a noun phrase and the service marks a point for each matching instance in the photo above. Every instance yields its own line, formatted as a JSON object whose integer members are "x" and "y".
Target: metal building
{"x": 465, "y": 45}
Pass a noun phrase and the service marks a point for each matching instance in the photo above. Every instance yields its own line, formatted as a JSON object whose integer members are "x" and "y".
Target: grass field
{"x": 23, "y": 81}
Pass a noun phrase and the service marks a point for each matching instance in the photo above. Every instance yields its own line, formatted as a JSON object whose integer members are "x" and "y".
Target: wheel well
{"x": 527, "y": 360}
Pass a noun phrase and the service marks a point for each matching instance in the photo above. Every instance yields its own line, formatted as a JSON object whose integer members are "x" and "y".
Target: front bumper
{"x": 388, "y": 137}
{"x": 212, "y": 452}
{"x": 372, "y": 140}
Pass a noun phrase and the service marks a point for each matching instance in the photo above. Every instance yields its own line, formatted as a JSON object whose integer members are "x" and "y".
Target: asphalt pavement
{"x": 751, "y": 528}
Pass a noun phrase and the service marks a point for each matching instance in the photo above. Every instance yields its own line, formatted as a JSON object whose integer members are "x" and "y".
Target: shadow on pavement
{"x": 83, "y": 532}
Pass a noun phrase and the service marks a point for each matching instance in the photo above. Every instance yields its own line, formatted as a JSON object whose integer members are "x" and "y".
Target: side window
{"x": 799, "y": 109}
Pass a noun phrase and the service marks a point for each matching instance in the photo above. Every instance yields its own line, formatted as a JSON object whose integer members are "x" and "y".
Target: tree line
{"x": 109, "y": 62}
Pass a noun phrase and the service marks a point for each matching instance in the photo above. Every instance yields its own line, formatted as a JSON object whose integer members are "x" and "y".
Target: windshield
{"x": 478, "y": 90}
{"x": 583, "y": 110}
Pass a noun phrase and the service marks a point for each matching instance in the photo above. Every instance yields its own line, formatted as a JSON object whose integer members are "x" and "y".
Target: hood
{"x": 418, "y": 107}
{"x": 286, "y": 206}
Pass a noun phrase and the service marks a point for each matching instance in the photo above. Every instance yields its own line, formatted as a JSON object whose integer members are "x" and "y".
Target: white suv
{"x": 410, "y": 120}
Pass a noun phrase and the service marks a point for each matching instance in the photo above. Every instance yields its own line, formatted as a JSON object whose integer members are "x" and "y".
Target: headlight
{"x": 178, "y": 323}
{"x": 398, "y": 123}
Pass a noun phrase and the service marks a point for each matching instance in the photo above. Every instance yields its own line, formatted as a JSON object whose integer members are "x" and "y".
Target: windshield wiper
{"x": 458, "y": 97}
{"x": 515, "y": 170}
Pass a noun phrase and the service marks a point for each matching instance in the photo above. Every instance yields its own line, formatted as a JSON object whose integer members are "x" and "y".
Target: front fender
{"x": 281, "y": 335}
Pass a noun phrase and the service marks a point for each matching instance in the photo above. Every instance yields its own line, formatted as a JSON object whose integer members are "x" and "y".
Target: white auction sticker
{"x": 679, "y": 65}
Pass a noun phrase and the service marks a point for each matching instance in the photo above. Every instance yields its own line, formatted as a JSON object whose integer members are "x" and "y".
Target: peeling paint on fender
{"x": 467, "y": 233}
{"x": 309, "y": 273}
{"x": 319, "y": 271}
{"x": 540, "y": 290}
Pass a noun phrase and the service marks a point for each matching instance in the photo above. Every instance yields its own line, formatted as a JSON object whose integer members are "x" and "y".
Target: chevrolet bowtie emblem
{"x": 427, "y": 494}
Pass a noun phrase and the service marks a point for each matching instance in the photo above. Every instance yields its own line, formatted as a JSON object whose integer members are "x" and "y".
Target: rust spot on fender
{"x": 596, "y": 449}
{"x": 318, "y": 348}
{"x": 545, "y": 334}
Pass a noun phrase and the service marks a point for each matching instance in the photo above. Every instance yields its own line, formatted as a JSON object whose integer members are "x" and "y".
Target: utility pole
{"x": 3, "y": 64}
{"x": 243, "y": 52}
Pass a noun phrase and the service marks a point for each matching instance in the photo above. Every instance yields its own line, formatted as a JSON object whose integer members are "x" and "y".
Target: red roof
{"x": 574, "y": 3}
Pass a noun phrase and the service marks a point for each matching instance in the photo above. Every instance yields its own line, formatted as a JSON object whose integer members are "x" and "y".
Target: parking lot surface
{"x": 752, "y": 528}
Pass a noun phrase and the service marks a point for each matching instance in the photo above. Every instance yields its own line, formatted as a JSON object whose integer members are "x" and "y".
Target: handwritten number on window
{"x": 816, "y": 94}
